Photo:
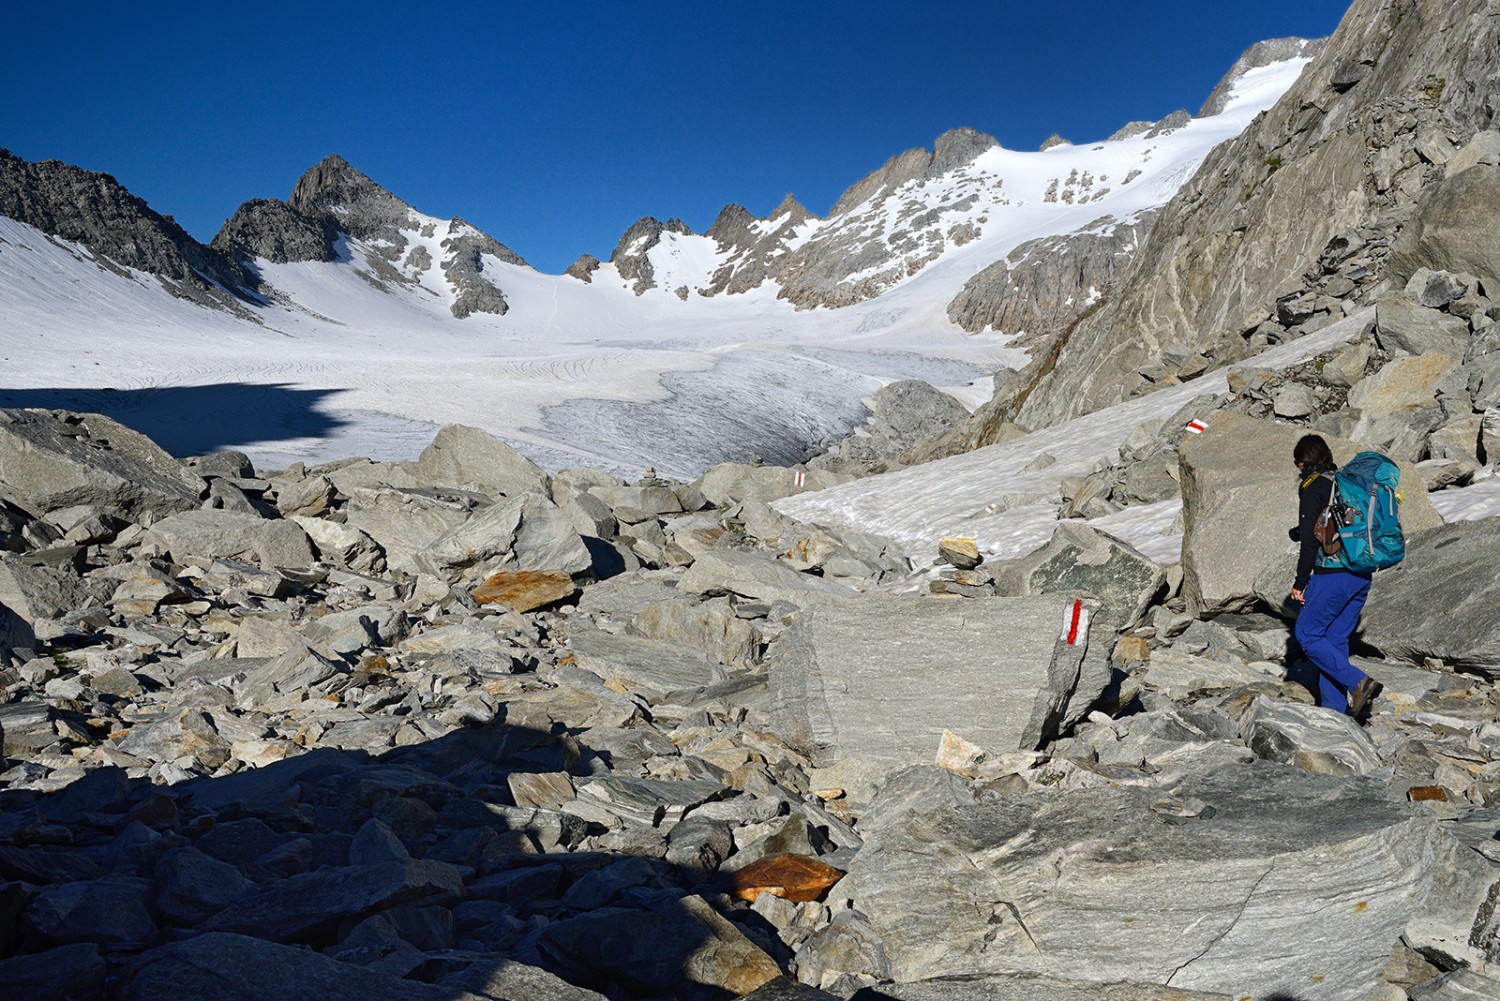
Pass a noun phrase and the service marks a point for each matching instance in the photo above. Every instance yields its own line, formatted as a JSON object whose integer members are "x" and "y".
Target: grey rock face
{"x": 1244, "y": 213}
{"x": 275, "y": 231}
{"x": 846, "y": 691}
{"x": 1453, "y": 229}
{"x": 1235, "y": 550}
{"x": 1078, "y": 558}
{"x": 902, "y": 414}
{"x": 630, "y": 256}
{"x": 1444, "y": 568}
{"x": 1403, "y": 324}
{"x": 50, "y": 460}
{"x": 93, "y": 210}
{"x": 230, "y": 535}
{"x": 1044, "y": 285}
{"x": 1266, "y": 864}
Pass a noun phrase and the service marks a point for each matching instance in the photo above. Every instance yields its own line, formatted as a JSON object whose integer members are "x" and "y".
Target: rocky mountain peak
{"x": 361, "y": 207}
{"x": 732, "y": 227}
{"x": 630, "y": 254}
{"x": 951, "y": 150}
{"x": 272, "y": 230}
{"x": 1272, "y": 50}
{"x": 791, "y": 208}
{"x": 956, "y": 148}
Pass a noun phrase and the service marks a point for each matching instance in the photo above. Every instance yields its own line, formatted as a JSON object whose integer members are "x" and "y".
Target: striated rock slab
{"x": 1300, "y": 884}
{"x": 997, "y": 671}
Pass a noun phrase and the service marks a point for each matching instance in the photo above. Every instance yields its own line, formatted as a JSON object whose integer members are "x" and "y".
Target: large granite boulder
{"x": 1003, "y": 673}
{"x": 729, "y": 482}
{"x": 527, "y": 531}
{"x": 1239, "y": 498}
{"x": 461, "y": 456}
{"x": 50, "y": 460}
{"x": 1297, "y": 885}
{"x": 1079, "y": 558}
{"x": 1454, "y": 228}
{"x": 1442, "y": 600}
{"x": 231, "y": 535}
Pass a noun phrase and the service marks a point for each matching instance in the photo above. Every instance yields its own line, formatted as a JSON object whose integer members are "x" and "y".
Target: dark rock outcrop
{"x": 276, "y": 232}
{"x": 118, "y": 228}
{"x": 631, "y": 257}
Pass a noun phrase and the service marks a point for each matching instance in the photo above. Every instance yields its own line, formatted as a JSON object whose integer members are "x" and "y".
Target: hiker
{"x": 1331, "y": 595}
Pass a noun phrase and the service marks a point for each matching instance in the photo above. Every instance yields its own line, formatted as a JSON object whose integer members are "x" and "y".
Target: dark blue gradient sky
{"x": 554, "y": 126}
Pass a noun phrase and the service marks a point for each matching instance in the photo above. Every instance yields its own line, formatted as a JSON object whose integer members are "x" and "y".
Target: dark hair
{"x": 1313, "y": 452}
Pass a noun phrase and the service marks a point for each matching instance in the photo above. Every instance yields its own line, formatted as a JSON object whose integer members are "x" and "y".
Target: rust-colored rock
{"x": 797, "y": 878}
{"x": 1427, "y": 794}
{"x": 524, "y": 590}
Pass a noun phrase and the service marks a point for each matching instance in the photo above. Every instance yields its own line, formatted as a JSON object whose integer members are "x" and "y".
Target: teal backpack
{"x": 1367, "y": 510}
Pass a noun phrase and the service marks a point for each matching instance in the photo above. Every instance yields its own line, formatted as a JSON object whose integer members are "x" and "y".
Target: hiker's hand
{"x": 1297, "y": 596}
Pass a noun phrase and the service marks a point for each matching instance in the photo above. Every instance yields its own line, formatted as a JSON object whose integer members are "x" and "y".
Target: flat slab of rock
{"x": 1000, "y": 672}
{"x": 756, "y": 575}
{"x": 1299, "y": 883}
{"x": 524, "y": 590}
{"x": 643, "y": 666}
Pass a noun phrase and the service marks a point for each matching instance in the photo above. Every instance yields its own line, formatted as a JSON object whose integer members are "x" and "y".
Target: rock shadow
{"x": 336, "y": 873}
{"x": 196, "y": 420}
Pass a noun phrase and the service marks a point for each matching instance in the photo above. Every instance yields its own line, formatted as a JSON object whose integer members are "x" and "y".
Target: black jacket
{"x": 1313, "y": 495}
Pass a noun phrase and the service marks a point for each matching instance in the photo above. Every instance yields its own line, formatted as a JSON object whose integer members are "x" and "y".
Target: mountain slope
{"x": 1237, "y": 259}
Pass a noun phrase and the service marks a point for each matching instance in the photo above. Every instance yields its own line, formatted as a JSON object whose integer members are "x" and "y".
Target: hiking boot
{"x": 1361, "y": 698}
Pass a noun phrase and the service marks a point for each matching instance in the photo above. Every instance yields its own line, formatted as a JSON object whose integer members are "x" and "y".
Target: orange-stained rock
{"x": 797, "y": 878}
{"x": 1427, "y": 794}
{"x": 524, "y": 590}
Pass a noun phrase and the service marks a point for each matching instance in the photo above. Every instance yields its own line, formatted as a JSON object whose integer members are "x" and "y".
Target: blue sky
{"x": 555, "y": 126}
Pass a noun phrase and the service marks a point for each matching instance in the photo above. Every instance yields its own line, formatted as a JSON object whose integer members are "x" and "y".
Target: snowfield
{"x": 574, "y": 373}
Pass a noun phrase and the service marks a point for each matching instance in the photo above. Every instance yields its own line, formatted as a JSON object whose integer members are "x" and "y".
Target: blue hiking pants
{"x": 1329, "y": 615}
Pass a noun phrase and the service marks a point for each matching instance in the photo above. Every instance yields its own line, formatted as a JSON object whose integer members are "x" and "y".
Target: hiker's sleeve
{"x": 1311, "y": 500}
